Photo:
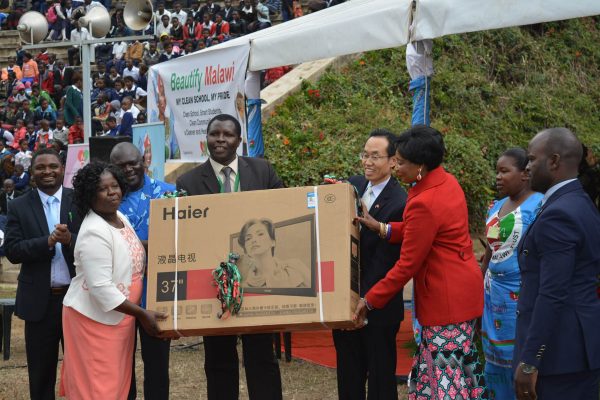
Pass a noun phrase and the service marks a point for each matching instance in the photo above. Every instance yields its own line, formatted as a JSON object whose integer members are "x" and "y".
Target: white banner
{"x": 187, "y": 92}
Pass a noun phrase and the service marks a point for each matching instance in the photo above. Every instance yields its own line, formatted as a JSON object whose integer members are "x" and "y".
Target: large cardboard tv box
{"x": 299, "y": 259}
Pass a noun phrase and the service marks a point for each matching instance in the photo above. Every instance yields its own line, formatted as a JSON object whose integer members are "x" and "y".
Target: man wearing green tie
{"x": 226, "y": 172}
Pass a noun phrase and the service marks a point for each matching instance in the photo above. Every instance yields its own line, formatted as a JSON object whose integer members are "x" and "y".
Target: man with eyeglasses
{"x": 370, "y": 352}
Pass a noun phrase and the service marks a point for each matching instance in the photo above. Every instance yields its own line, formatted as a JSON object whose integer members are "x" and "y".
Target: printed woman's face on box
{"x": 257, "y": 240}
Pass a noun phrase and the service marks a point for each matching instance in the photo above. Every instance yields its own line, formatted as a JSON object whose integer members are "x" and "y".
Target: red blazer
{"x": 197, "y": 32}
{"x": 437, "y": 252}
{"x": 224, "y": 29}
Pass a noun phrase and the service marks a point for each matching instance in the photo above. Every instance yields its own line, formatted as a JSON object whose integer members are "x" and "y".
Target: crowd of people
{"x": 534, "y": 299}
{"x": 83, "y": 269}
{"x": 41, "y": 98}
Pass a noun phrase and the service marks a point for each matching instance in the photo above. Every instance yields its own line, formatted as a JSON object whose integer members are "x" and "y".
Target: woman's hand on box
{"x": 367, "y": 220}
{"x": 149, "y": 319}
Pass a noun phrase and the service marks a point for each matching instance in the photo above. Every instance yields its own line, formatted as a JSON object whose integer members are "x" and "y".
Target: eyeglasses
{"x": 373, "y": 157}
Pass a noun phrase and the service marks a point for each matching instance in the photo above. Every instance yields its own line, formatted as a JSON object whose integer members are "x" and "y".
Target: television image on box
{"x": 277, "y": 257}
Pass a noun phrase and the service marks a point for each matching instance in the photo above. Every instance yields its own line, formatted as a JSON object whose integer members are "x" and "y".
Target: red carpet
{"x": 317, "y": 347}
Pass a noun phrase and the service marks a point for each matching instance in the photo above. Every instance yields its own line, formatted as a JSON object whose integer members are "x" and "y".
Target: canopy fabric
{"x": 363, "y": 25}
{"x": 351, "y": 27}
{"x": 436, "y": 18}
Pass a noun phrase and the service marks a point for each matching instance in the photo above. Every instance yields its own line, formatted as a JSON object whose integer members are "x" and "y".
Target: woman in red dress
{"x": 437, "y": 253}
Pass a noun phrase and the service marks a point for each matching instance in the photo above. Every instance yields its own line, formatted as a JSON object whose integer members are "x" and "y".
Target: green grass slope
{"x": 491, "y": 90}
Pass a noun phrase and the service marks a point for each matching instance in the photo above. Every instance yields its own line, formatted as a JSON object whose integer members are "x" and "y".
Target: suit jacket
{"x": 64, "y": 80}
{"x": 21, "y": 184}
{"x": 558, "y": 312}
{"x": 255, "y": 174}
{"x": 437, "y": 252}
{"x": 26, "y": 243}
{"x": 3, "y": 203}
{"x": 378, "y": 256}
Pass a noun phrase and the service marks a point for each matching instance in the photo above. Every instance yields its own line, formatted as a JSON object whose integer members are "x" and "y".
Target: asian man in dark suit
{"x": 557, "y": 351}
{"x": 226, "y": 172}
{"x": 40, "y": 235}
{"x": 369, "y": 353}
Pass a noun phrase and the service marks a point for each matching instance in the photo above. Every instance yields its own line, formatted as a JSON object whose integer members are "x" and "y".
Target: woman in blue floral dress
{"x": 507, "y": 222}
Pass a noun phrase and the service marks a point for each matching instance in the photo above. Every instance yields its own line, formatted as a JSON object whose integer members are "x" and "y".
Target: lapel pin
{"x": 376, "y": 205}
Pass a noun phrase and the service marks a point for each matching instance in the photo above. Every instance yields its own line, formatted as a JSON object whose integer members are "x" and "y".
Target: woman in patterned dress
{"x": 437, "y": 253}
{"x": 506, "y": 223}
{"x": 101, "y": 305}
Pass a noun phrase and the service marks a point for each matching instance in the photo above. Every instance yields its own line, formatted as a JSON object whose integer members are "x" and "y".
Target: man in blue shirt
{"x": 136, "y": 206}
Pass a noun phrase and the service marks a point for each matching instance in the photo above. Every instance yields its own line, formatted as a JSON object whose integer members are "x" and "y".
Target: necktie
{"x": 538, "y": 209}
{"x": 227, "y": 182}
{"x": 369, "y": 197}
{"x": 54, "y": 220}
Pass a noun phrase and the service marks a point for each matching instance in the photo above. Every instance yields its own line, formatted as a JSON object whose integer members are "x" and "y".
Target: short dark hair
{"x": 85, "y": 184}
{"x": 268, "y": 225}
{"x": 422, "y": 144}
{"x": 128, "y": 78}
{"x": 519, "y": 155}
{"x": 391, "y": 138}
{"x": 44, "y": 151}
{"x": 565, "y": 143}
{"x": 226, "y": 117}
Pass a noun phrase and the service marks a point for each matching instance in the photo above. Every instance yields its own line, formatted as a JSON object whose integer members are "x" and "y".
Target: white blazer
{"x": 103, "y": 270}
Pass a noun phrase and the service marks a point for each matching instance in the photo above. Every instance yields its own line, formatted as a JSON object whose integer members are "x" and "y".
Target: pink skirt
{"x": 98, "y": 357}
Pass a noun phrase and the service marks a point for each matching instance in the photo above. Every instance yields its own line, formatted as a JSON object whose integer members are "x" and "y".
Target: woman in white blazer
{"x": 101, "y": 304}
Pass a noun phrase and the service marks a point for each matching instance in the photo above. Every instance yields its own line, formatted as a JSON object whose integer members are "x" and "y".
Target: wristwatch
{"x": 527, "y": 369}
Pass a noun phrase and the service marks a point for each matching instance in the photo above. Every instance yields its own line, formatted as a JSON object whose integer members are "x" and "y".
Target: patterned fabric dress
{"x": 446, "y": 365}
{"x": 501, "y": 286}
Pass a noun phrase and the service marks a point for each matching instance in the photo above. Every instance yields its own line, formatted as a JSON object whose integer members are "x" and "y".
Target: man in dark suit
{"x": 63, "y": 78}
{"x": 557, "y": 351}
{"x": 40, "y": 235}
{"x": 7, "y": 195}
{"x": 226, "y": 172}
{"x": 369, "y": 353}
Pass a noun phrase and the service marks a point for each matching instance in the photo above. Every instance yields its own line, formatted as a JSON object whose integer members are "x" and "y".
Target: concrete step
{"x": 8, "y": 34}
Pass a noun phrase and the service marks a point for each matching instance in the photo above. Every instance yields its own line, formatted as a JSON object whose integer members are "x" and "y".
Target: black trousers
{"x": 366, "y": 354}
{"x": 42, "y": 339}
{"x": 579, "y": 385}
{"x": 155, "y": 355}
{"x": 221, "y": 366}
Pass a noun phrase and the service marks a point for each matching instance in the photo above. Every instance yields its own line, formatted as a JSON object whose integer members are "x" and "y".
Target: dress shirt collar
{"x": 44, "y": 197}
{"x": 554, "y": 188}
{"x": 217, "y": 167}
{"x": 377, "y": 189}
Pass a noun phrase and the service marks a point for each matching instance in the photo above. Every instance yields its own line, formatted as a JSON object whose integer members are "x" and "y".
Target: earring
{"x": 419, "y": 177}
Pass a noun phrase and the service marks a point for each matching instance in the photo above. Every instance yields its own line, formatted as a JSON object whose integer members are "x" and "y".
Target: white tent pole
{"x": 86, "y": 89}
